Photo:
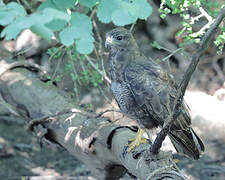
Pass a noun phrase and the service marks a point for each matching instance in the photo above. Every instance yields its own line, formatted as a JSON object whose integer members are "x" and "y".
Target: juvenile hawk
{"x": 143, "y": 90}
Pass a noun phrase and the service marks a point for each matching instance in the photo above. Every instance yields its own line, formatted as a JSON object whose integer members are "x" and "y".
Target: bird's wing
{"x": 153, "y": 89}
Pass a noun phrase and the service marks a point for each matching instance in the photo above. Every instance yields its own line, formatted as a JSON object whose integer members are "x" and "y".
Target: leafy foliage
{"x": 72, "y": 27}
{"x": 123, "y": 12}
{"x": 207, "y": 9}
{"x": 79, "y": 30}
{"x": 34, "y": 21}
{"x": 61, "y": 21}
{"x": 10, "y": 12}
{"x": 89, "y": 3}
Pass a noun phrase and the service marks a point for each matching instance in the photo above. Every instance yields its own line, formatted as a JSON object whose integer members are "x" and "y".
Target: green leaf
{"x": 68, "y": 35}
{"x": 66, "y": 4}
{"x": 56, "y": 25}
{"x": 85, "y": 44}
{"x": 79, "y": 31}
{"x": 53, "y": 14}
{"x": 43, "y": 31}
{"x": 123, "y": 12}
{"x": 88, "y": 3}
{"x": 41, "y": 18}
{"x": 122, "y": 17}
{"x": 10, "y": 12}
{"x": 16, "y": 8}
{"x": 81, "y": 21}
{"x": 47, "y": 4}
{"x": 13, "y": 29}
{"x": 145, "y": 10}
{"x": 57, "y": 4}
{"x": 106, "y": 9}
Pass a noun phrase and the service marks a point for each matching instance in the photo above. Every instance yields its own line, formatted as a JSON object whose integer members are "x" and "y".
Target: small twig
{"x": 100, "y": 48}
{"x": 207, "y": 16}
{"x": 93, "y": 13}
{"x": 108, "y": 110}
{"x": 206, "y": 40}
{"x": 99, "y": 71}
{"x": 203, "y": 29}
{"x": 196, "y": 18}
{"x": 96, "y": 53}
{"x": 132, "y": 27}
{"x": 174, "y": 52}
{"x": 53, "y": 54}
{"x": 57, "y": 66}
{"x": 75, "y": 72}
{"x": 23, "y": 51}
{"x": 168, "y": 62}
{"x": 73, "y": 66}
{"x": 81, "y": 62}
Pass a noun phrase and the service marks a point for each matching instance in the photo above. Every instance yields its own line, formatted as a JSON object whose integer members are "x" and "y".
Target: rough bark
{"x": 94, "y": 140}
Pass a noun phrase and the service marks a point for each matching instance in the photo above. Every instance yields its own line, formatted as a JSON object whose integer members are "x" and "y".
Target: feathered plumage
{"x": 143, "y": 90}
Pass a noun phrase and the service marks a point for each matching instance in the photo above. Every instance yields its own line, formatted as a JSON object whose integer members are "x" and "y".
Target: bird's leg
{"x": 137, "y": 140}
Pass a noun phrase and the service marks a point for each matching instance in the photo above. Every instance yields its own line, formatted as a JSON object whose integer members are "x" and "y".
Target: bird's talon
{"x": 176, "y": 160}
{"x": 136, "y": 142}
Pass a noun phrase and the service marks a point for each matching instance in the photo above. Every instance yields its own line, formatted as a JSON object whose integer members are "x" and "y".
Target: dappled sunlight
{"x": 70, "y": 118}
{"x": 4, "y": 66}
{"x": 16, "y": 77}
{"x": 43, "y": 171}
{"x": 82, "y": 143}
{"x": 206, "y": 106}
{"x": 69, "y": 133}
{"x": 28, "y": 82}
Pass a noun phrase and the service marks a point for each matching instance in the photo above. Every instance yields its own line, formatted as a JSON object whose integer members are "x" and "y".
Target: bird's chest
{"x": 123, "y": 96}
{"x": 116, "y": 72}
{"x": 128, "y": 105}
{"x": 118, "y": 64}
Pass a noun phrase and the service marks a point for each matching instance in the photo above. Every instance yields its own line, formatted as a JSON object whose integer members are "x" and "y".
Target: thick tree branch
{"x": 205, "y": 42}
{"x": 94, "y": 140}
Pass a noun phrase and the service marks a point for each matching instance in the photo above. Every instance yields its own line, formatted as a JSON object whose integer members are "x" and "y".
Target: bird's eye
{"x": 119, "y": 38}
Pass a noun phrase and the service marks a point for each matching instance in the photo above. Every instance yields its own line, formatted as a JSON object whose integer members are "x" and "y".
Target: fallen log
{"x": 94, "y": 140}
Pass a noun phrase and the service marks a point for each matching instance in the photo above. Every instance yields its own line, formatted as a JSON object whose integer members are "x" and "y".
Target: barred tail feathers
{"x": 187, "y": 142}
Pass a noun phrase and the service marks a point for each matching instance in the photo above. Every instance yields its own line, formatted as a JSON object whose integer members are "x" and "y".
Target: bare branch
{"x": 204, "y": 44}
{"x": 171, "y": 54}
{"x": 99, "y": 71}
{"x": 132, "y": 27}
{"x": 58, "y": 65}
{"x": 100, "y": 51}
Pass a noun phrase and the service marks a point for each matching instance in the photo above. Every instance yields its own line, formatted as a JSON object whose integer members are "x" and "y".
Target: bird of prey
{"x": 143, "y": 90}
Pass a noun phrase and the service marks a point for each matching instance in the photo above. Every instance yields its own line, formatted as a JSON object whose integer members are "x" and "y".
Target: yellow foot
{"x": 133, "y": 143}
{"x": 176, "y": 160}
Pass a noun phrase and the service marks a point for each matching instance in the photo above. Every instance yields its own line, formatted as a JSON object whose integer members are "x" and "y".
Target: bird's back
{"x": 143, "y": 90}
{"x": 155, "y": 91}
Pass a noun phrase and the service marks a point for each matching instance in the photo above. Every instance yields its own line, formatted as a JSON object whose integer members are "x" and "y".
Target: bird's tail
{"x": 187, "y": 142}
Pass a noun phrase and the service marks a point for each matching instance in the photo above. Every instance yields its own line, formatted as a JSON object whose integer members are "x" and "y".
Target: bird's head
{"x": 119, "y": 39}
